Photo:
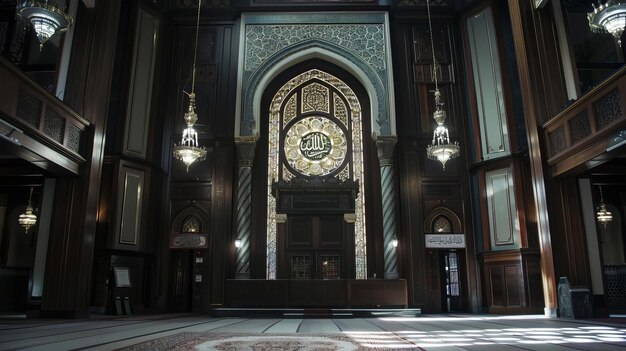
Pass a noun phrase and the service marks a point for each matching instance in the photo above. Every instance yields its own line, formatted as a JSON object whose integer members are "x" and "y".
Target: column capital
{"x": 385, "y": 145}
{"x": 281, "y": 218}
{"x": 246, "y": 145}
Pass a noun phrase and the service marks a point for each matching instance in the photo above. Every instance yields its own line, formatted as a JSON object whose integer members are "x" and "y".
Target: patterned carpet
{"x": 265, "y": 342}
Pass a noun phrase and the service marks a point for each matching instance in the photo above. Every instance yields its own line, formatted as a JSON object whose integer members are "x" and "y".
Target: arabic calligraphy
{"x": 315, "y": 146}
{"x": 445, "y": 240}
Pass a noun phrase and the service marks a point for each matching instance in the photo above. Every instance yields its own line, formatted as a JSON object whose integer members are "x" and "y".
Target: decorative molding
{"x": 275, "y": 162}
{"x": 489, "y": 95}
{"x": 502, "y": 209}
{"x": 349, "y": 218}
{"x": 359, "y": 39}
{"x": 184, "y": 214}
{"x": 437, "y": 212}
{"x": 366, "y": 41}
{"x": 281, "y": 218}
{"x": 386, "y": 145}
{"x": 607, "y": 109}
{"x": 246, "y": 146}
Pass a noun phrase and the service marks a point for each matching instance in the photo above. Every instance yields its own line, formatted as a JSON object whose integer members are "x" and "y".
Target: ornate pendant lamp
{"x": 28, "y": 219}
{"x": 188, "y": 150}
{"x": 45, "y": 18}
{"x": 603, "y": 215}
{"x": 608, "y": 17}
{"x": 441, "y": 149}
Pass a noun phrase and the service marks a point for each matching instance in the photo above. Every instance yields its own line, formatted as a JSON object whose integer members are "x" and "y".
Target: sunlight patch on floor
{"x": 469, "y": 337}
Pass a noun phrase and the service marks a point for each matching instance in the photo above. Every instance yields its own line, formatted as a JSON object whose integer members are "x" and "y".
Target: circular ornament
{"x": 315, "y": 146}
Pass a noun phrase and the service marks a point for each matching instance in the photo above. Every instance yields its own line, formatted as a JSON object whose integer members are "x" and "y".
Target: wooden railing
{"x": 580, "y": 133}
{"x": 32, "y": 118}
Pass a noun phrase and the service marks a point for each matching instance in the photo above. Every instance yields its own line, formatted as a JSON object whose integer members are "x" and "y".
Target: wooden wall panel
{"x": 488, "y": 85}
{"x": 139, "y": 108}
{"x": 502, "y": 209}
{"x": 130, "y": 197}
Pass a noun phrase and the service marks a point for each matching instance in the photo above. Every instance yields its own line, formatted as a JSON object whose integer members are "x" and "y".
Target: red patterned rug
{"x": 206, "y": 341}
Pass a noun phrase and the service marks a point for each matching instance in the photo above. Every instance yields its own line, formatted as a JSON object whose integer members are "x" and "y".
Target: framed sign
{"x": 445, "y": 241}
{"x": 189, "y": 241}
{"x": 122, "y": 277}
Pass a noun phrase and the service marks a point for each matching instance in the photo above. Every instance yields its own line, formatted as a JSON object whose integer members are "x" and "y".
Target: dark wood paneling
{"x": 315, "y": 293}
{"x": 512, "y": 280}
{"x": 256, "y": 292}
{"x": 72, "y": 237}
{"x": 300, "y": 232}
{"x": 513, "y": 284}
{"x": 221, "y": 229}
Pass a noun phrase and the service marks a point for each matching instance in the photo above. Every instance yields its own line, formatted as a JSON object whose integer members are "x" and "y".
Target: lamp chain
{"x": 432, "y": 45}
{"x": 195, "y": 51}
{"x": 601, "y": 196}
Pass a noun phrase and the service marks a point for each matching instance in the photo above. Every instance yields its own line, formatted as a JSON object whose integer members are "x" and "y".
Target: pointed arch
{"x": 446, "y": 213}
{"x": 382, "y": 117}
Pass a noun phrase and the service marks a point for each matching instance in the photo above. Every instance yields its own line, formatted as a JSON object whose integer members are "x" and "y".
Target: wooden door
{"x": 315, "y": 247}
{"x": 181, "y": 280}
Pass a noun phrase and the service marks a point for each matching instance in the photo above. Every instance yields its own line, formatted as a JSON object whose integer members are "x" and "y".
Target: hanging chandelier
{"x": 28, "y": 219}
{"x": 608, "y": 17}
{"x": 188, "y": 150}
{"x": 46, "y": 19}
{"x": 441, "y": 149}
{"x": 603, "y": 215}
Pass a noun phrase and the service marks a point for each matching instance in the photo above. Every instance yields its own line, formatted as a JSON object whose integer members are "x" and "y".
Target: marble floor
{"x": 430, "y": 332}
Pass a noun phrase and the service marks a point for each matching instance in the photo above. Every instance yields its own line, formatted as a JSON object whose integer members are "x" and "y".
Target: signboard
{"x": 445, "y": 241}
{"x": 189, "y": 241}
{"x": 122, "y": 277}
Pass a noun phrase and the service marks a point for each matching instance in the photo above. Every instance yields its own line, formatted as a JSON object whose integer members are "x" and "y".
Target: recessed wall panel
{"x": 488, "y": 85}
{"x": 503, "y": 227}
{"x": 130, "y": 209}
{"x": 140, "y": 92}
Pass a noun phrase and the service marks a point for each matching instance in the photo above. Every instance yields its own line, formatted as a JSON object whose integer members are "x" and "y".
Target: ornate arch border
{"x": 177, "y": 223}
{"x": 442, "y": 211}
{"x": 271, "y": 43}
{"x": 360, "y": 246}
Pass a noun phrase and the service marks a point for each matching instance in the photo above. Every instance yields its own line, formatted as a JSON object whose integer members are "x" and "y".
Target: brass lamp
{"x": 28, "y": 219}
{"x": 441, "y": 148}
{"x": 188, "y": 150}
{"x": 45, "y": 18}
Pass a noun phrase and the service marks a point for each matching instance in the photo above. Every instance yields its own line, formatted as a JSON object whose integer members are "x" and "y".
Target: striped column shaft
{"x": 244, "y": 214}
{"x": 385, "y": 145}
{"x": 388, "y": 187}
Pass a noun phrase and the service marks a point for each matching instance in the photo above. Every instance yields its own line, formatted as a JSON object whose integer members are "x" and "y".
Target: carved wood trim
{"x": 580, "y": 132}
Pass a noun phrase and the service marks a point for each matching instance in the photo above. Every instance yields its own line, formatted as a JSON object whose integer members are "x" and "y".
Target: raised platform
{"x": 316, "y": 313}
{"x": 316, "y": 294}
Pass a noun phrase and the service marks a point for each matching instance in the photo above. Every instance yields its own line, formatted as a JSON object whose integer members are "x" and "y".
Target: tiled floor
{"x": 467, "y": 332}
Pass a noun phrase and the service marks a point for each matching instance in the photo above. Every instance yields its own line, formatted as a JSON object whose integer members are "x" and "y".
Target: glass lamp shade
{"x": 609, "y": 17}
{"x": 189, "y": 154}
{"x": 188, "y": 150}
{"x": 27, "y": 219}
{"x": 603, "y": 215}
{"x": 46, "y": 19}
{"x": 441, "y": 149}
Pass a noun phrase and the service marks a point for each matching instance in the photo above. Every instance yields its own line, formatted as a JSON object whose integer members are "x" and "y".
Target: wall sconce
{"x": 238, "y": 243}
{"x": 394, "y": 242}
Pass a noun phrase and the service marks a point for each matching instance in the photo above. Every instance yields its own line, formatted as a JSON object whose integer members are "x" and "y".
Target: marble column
{"x": 245, "y": 147}
{"x": 385, "y": 145}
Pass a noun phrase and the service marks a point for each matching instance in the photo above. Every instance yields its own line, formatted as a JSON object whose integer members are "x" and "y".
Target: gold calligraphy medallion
{"x": 315, "y": 146}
